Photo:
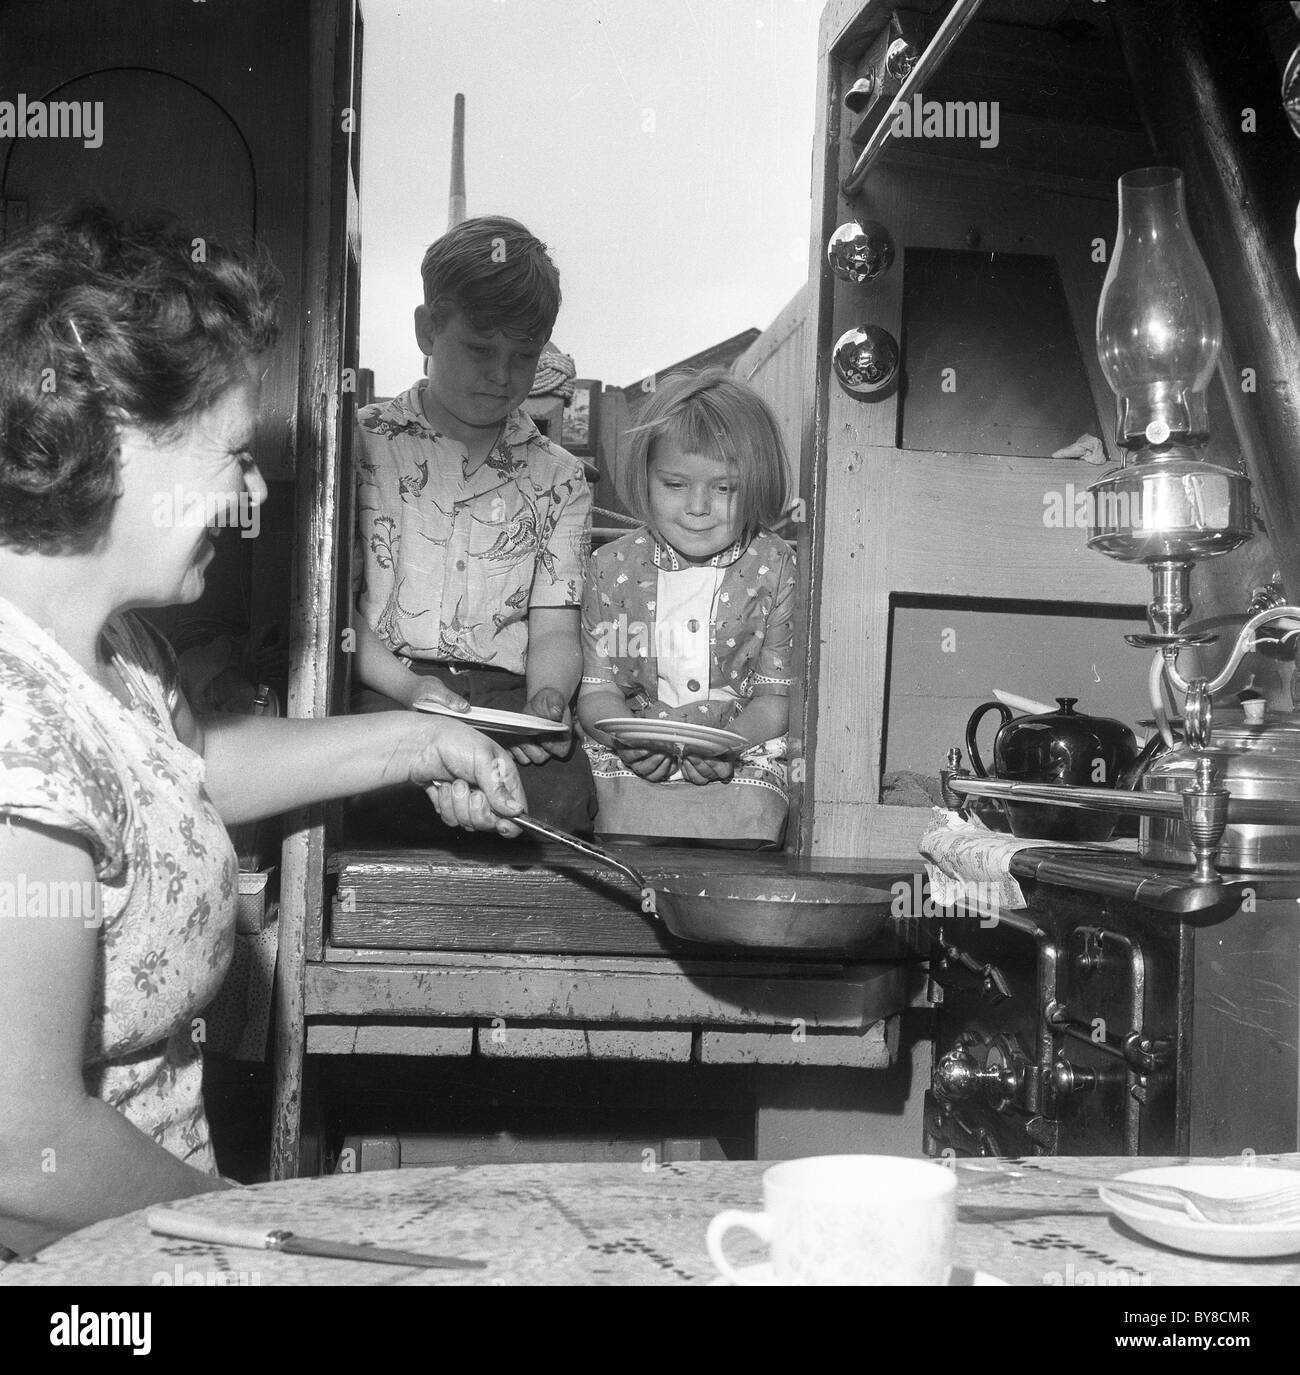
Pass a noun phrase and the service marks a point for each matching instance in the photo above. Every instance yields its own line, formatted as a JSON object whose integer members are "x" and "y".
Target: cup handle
{"x": 758, "y": 1223}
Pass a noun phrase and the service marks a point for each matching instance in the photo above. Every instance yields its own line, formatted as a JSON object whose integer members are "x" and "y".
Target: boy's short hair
{"x": 497, "y": 274}
{"x": 713, "y": 414}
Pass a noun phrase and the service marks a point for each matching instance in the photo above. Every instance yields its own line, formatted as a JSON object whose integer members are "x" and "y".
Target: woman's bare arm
{"x": 260, "y": 766}
{"x": 66, "y": 1159}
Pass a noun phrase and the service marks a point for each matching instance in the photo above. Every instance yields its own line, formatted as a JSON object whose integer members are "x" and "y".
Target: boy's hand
{"x": 547, "y": 702}
{"x": 701, "y": 771}
{"x": 648, "y": 764}
{"x": 431, "y": 690}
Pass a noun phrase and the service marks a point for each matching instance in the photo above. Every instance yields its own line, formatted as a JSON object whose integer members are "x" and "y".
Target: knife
{"x": 170, "y": 1223}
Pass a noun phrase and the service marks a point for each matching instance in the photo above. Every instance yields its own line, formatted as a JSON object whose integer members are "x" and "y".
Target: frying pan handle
{"x": 584, "y": 847}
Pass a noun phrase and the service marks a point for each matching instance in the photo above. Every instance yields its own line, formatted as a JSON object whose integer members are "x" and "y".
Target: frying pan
{"x": 814, "y": 915}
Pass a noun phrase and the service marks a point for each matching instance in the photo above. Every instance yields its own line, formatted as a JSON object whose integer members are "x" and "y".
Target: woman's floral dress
{"x": 74, "y": 758}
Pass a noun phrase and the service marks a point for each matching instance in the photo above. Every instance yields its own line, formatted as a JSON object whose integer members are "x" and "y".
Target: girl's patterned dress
{"x": 74, "y": 758}
{"x": 650, "y": 622}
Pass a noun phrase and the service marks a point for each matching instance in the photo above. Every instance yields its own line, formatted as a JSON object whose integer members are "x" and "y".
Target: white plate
{"x": 702, "y": 740}
{"x": 761, "y": 1274}
{"x": 496, "y": 722}
{"x": 1173, "y": 1228}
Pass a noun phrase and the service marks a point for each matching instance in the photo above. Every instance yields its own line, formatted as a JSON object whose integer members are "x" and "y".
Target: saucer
{"x": 760, "y": 1275}
{"x": 1173, "y": 1228}
{"x": 496, "y": 722}
{"x": 708, "y": 741}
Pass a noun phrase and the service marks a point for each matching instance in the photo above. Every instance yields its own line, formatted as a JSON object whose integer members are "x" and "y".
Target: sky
{"x": 661, "y": 148}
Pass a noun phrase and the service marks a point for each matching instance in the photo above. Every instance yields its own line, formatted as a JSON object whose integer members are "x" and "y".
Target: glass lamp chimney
{"x": 1158, "y": 321}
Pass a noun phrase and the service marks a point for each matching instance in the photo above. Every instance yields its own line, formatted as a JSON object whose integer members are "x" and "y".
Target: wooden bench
{"x": 531, "y": 952}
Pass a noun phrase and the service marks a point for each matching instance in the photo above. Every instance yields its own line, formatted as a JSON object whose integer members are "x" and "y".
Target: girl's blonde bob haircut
{"x": 713, "y": 414}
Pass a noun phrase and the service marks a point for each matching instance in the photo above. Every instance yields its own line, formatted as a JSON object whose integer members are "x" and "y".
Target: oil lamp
{"x": 1229, "y": 795}
{"x": 1158, "y": 333}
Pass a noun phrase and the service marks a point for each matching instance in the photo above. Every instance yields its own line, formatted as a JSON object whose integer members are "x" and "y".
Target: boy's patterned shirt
{"x": 449, "y": 566}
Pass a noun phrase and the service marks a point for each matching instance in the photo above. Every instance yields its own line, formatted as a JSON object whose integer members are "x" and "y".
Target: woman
{"x": 128, "y": 401}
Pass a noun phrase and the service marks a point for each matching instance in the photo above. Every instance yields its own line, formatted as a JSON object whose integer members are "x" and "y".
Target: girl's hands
{"x": 471, "y": 780}
{"x": 655, "y": 767}
{"x": 701, "y": 771}
{"x": 648, "y": 764}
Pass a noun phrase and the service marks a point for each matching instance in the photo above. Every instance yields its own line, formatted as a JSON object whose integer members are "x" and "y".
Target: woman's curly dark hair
{"x": 106, "y": 321}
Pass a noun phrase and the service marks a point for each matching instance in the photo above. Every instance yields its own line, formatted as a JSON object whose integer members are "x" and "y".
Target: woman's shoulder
{"x": 57, "y": 761}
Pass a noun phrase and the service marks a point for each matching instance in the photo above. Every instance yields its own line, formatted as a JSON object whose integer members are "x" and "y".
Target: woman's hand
{"x": 701, "y": 771}
{"x": 648, "y": 764}
{"x": 471, "y": 780}
{"x": 550, "y": 704}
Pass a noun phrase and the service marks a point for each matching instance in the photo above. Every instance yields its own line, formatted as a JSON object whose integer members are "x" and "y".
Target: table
{"x": 617, "y": 1225}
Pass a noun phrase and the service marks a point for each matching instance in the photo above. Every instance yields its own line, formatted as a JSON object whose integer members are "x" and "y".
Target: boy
{"x": 471, "y": 526}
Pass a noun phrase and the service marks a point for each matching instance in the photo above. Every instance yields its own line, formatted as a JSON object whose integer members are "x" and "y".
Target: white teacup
{"x": 849, "y": 1219}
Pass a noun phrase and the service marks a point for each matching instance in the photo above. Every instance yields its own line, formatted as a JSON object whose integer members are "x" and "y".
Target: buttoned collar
{"x": 666, "y": 558}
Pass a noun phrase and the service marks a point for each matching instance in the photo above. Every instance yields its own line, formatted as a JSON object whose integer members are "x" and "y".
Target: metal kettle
{"x": 1060, "y": 747}
{"x": 1253, "y": 759}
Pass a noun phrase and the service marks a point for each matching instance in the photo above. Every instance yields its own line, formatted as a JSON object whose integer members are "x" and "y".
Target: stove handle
{"x": 1142, "y": 1052}
{"x": 988, "y": 978}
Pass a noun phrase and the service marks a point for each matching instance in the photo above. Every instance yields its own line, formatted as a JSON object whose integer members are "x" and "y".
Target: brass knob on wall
{"x": 865, "y": 360}
{"x": 900, "y": 58}
{"x": 860, "y": 251}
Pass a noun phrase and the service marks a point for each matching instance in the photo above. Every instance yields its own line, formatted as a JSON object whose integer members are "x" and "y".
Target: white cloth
{"x": 970, "y": 866}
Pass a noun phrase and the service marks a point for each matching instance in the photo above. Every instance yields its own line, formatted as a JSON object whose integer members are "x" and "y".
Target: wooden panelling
{"x": 868, "y": 1049}
{"x": 515, "y": 1042}
{"x": 889, "y": 521}
{"x": 542, "y": 898}
{"x": 323, "y": 537}
{"x": 774, "y": 365}
{"x": 205, "y": 114}
{"x": 858, "y": 996}
{"x": 389, "y": 1038}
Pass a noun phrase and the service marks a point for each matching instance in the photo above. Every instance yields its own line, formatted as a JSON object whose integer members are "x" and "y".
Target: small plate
{"x": 707, "y": 741}
{"x": 1172, "y": 1228}
{"x": 760, "y": 1274}
{"x": 496, "y": 722}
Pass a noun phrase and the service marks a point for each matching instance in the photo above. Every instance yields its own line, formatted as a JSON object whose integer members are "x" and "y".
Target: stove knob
{"x": 958, "y": 1078}
{"x": 1069, "y": 1079}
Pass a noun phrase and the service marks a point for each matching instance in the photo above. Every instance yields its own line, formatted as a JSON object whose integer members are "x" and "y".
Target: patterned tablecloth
{"x": 619, "y": 1225}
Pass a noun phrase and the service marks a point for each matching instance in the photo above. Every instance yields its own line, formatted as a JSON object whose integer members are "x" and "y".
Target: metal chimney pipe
{"x": 456, "y": 209}
{"x": 1197, "y": 67}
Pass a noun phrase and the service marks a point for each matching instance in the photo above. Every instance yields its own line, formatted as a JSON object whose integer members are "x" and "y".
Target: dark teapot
{"x": 1065, "y": 747}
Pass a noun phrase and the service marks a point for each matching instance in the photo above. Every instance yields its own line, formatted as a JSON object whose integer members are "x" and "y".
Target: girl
{"x": 690, "y": 619}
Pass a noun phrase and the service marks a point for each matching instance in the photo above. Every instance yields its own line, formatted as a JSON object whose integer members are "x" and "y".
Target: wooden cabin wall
{"x": 892, "y": 527}
{"x": 204, "y": 115}
{"x": 774, "y": 366}
{"x": 612, "y": 422}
